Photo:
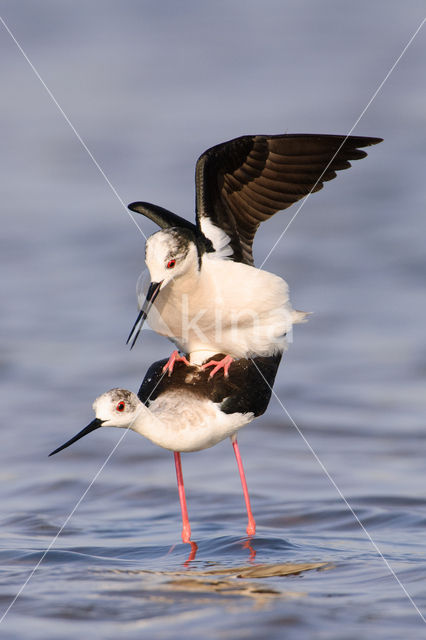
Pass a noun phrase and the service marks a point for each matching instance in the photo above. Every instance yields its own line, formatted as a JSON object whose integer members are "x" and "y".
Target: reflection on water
{"x": 232, "y": 581}
{"x": 149, "y": 87}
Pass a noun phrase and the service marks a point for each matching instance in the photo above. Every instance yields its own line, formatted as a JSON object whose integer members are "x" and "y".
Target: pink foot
{"x": 251, "y": 527}
{"x": 224, "y": 364}
{"x": 175, "y": 357}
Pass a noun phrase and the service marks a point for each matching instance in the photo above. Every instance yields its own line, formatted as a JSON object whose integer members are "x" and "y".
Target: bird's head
{"x": 115, "y": 408}
{"x": 169, "y": 254}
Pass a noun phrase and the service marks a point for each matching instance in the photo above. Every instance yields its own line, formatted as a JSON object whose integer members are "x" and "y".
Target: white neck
{"x": 147, "y": 424}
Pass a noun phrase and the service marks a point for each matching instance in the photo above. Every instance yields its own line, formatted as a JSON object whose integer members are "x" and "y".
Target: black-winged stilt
{"x": 190, "y": 412}
{"x": 203, "y": 291}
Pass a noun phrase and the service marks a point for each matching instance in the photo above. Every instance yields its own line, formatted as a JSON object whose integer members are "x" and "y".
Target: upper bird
{"x": 204, "y": 292}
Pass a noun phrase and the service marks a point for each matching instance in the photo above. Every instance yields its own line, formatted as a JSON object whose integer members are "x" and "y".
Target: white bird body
{"x": 200, "y": 312}
{"x": 192, "y": 425}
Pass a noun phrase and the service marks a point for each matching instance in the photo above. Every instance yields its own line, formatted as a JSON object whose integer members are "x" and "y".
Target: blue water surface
{"x": 336, "y": 466}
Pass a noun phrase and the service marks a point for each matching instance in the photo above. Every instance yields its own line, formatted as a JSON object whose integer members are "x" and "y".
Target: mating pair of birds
{"x": 229, "y": 320}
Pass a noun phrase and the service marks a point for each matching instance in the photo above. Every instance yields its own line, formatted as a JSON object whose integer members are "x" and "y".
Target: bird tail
{"x": 300, "y": 316}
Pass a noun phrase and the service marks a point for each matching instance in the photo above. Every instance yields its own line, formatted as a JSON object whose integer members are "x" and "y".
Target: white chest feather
{"x": 225, "y": 307}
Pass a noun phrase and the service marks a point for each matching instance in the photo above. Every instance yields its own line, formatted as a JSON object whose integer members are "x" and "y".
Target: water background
{"x": 149, "y": 86}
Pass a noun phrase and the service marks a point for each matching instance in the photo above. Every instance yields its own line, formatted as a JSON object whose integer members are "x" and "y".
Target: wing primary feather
{"x": 242, "y": 182}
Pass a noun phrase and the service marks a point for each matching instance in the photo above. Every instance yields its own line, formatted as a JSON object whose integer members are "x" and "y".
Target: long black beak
{"x": 153, "y": 291}
{"x": 95, "y": 424}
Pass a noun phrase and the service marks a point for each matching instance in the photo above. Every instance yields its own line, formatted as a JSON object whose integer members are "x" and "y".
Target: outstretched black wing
{"x": 243, "y": 182}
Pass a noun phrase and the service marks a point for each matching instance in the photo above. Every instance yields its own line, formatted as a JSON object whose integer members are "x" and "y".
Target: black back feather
{"x": 247, "y": 389}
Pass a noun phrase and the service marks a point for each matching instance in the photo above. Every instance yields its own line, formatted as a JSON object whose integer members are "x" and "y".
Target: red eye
{"x": 121, "y": 406}
{"x": 171, "y": 264}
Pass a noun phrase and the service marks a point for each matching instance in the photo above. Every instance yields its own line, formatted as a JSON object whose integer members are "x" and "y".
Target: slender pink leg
{"x": 175, "y": 357}
{"x": 224, "y": 364}
{"x": 251, "y": 527}
{"x": 186, "y": 528}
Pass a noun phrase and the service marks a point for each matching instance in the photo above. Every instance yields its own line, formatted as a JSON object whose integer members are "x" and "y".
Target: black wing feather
{"x": 161, "y": 216}
{"x": 242, "y": 182}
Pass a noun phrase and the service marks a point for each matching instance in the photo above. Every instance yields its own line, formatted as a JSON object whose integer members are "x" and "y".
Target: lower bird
{"x": 187, "y": 412}
{"x": 203, "y": 291}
